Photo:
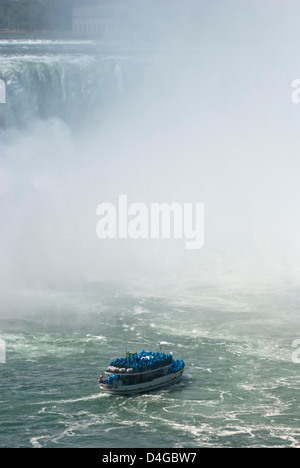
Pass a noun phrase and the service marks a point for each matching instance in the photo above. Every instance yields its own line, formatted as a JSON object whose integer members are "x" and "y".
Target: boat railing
{"x": 131, "y": 371}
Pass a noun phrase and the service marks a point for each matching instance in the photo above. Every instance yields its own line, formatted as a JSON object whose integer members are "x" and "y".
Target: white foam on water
{"x": 35, "y": 441}
{"x": 96, "y": 396}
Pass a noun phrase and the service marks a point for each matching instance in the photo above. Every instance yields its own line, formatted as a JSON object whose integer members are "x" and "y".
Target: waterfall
{"x": 75, "y": 90}
{"x": 84, "y": 123}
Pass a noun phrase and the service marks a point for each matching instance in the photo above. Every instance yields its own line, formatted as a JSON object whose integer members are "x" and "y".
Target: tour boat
{"x": 141, "y": 372}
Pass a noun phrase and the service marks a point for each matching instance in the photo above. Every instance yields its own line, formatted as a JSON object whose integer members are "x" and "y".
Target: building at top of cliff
{"x": 127, "y": 19}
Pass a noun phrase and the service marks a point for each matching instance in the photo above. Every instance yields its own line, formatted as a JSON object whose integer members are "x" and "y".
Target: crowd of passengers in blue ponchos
{"x": 146, "y": 361}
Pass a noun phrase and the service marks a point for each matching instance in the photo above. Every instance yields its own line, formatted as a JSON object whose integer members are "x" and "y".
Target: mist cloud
{"x": 205, "y": 115}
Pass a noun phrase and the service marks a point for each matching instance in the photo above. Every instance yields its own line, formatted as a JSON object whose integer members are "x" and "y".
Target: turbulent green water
{"x": 240, "y": 387}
